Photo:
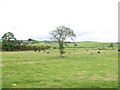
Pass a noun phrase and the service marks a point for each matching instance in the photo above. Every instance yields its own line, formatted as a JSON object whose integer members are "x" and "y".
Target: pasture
{"x": 77, "y": 69}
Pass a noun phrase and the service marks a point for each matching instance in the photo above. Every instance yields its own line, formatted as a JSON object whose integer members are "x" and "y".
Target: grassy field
{"x": 77, "y": 69}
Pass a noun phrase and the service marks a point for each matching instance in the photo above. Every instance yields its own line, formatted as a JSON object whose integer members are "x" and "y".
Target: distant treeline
{"x": 23, "y": 47}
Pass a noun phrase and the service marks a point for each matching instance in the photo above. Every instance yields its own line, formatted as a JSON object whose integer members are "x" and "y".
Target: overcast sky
{"x": 91, "y": 20}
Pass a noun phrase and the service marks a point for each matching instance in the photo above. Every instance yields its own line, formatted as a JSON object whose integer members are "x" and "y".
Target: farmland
{"x": 79, "y": 68}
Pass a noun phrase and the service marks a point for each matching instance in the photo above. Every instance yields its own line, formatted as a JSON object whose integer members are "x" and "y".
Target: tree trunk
{"x": 61, "y": 48}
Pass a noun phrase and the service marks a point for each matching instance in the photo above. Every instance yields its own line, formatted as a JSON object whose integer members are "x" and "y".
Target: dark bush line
{"x": 26, "y": 47}
{"x": 45, "y": 47}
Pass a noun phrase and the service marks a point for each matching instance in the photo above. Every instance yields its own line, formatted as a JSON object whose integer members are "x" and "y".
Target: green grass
{"x": 96, "y": 45}
{"x": 77, "y": 69}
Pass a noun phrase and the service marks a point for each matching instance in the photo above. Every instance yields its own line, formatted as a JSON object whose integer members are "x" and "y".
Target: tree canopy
{"x": 8, "y": 41}
{"x": 9, "y": 36}
{"x": 60, "y": 34}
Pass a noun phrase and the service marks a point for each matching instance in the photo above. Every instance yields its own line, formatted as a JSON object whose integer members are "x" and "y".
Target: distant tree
{"x": 8, "y": 41}
{"x": 111, "y": 45}
{"x": 60, "y": 35}
{"x": 75, "y": 44}
{"x": 32, "y": 41}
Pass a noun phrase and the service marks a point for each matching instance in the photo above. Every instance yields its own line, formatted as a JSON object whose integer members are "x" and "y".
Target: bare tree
{"x": 60, "y": 34}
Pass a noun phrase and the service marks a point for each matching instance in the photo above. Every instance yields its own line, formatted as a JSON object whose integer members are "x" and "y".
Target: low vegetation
{"x": 77, "y": 69}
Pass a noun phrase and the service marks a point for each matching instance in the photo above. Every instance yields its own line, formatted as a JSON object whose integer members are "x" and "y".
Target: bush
{"x": 18, "y": 47}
